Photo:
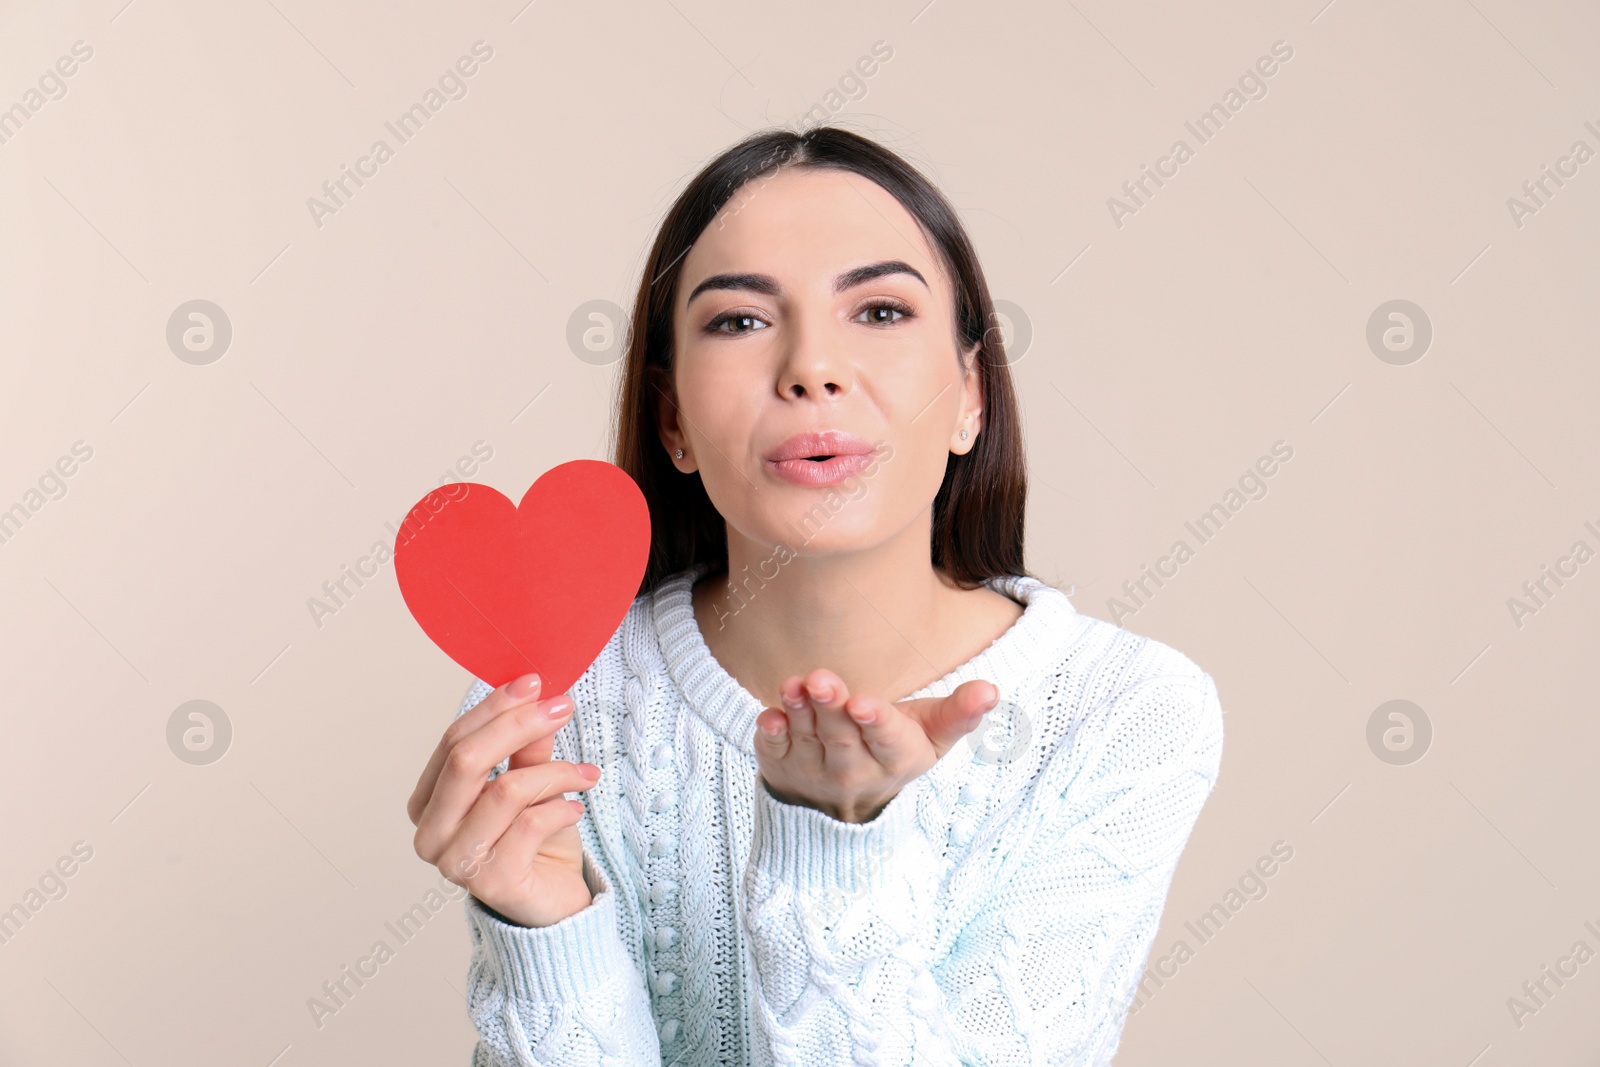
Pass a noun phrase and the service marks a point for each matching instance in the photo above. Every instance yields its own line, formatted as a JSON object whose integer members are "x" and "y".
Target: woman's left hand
{"x": 848, "y": 756}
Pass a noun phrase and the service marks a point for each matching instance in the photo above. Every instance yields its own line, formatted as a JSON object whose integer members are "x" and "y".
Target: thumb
{"x": 960, "y": 713}
{"x": 531, "y": 755}
{"x": 541, "y": 751}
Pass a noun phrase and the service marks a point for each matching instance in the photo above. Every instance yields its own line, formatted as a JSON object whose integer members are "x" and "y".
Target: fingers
{"x": 504, "y": 800}
{"x": 820, "y": 709}
{"x": 796, "y": 722}
{"x": 819, "y": 714}
{"x": 797, "y": 706}
{"x": 524, "y": 840}
{"x": 469, "y": 760}
{"x": 517, "y": 691}
{"x": 498, "y": 874}
{"x": 776, "y": 743}
{"x": 827, "y": 697}
{"x": 527, "y": 832}
{"x": 883, "y": 727}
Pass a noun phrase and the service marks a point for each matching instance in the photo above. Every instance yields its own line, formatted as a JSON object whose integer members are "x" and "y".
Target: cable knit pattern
{"x": 998, "y": 911}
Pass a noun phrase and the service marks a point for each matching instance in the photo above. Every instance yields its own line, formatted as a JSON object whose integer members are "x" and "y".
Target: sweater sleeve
{"x": 1044, "y": 924}
{"x": 565, "y": 994}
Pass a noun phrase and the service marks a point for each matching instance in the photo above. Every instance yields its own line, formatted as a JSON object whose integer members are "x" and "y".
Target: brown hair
{"x": 978, "y": 512}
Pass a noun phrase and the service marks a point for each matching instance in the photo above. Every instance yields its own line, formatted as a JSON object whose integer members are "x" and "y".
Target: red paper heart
{"x": 538, "y": 587}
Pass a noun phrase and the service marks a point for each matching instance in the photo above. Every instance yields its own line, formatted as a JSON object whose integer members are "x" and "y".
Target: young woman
{"x": 860, "y": 789}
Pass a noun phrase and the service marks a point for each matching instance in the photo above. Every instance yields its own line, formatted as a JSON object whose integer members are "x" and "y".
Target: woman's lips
{"x": 820, "y": 473}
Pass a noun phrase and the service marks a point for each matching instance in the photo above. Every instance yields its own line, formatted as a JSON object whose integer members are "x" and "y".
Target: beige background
{"x": 1167, "y": 355}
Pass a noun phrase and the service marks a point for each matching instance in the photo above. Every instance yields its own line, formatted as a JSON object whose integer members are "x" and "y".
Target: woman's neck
{"x": 882, "y": 619}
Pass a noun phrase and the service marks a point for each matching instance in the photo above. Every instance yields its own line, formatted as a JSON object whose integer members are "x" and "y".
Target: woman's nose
{"x": 814, "y": 365}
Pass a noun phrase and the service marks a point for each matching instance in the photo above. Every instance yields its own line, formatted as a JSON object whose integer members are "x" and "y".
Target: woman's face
{"x": 813, "y": 302}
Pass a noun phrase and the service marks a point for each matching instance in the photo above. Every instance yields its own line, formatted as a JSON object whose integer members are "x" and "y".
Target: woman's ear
{"x": 970, "y": 418}
{"x": 670, "y": 427}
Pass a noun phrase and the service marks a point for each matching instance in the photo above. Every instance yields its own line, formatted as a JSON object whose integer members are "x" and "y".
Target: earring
{"x": 963, "y": 435}
{"x": 679, "y": 453}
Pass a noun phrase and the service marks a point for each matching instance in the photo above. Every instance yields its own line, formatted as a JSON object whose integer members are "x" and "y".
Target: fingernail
{"x": 527, "y": 685}
{"x": 559, "y": 710}
{"x": 772, "y": 729}
{"x": 823, "y": 693}
{"x": 792, "y": 702}
{"x": 588, "y": 770}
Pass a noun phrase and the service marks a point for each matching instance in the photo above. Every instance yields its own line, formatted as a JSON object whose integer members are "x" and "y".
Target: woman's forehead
{"x": 804, "y": 228}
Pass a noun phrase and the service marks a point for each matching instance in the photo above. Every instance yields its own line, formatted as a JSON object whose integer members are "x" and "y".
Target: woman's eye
{"x": 875, "y": 313}
{"x": 743, "y": 323}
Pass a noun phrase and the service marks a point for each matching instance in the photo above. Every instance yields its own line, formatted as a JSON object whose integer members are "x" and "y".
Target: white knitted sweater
{"x": 998, "y": 911}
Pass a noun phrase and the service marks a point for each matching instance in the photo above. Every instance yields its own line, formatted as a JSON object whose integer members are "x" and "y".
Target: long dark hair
{"x": 978, "y": 512}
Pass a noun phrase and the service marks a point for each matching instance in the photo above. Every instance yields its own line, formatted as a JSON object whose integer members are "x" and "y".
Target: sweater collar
{"x": 1033, "y": 644}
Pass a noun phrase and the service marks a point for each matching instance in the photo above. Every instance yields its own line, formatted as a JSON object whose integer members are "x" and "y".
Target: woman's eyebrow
{"x": 765, "y": 283}
{"x": 851, "y": 278}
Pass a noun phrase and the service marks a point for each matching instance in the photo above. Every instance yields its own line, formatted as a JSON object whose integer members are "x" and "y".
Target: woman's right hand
{"x": 513, "y": 842}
